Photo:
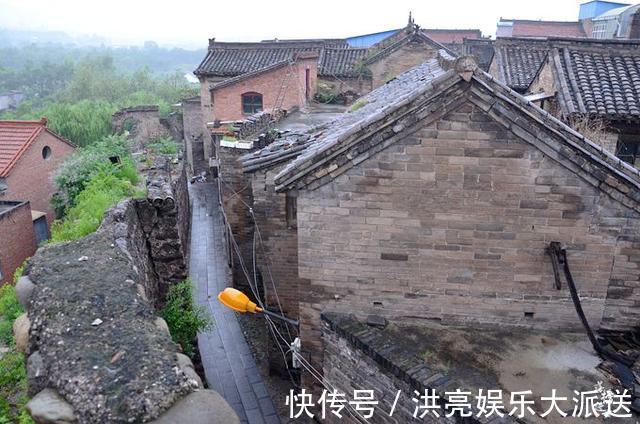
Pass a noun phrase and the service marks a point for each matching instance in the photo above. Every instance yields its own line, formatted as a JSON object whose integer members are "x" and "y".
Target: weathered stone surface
{"x": 200, "y": 407}
{"x": 124, "y": 369}
{"x": 35, "y": 372}
{"x": 21, "y": 332}
{"x": 161, "y": 325}
{"x": 48, "y": 407}
{"x": 185, "y": 364}
{"x": 24, "y": 288}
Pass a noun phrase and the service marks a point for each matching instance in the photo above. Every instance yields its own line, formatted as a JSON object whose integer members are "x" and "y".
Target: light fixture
{"x": 240, "y": 302}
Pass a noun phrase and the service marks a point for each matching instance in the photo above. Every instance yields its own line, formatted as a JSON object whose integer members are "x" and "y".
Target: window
{"x": 627, "y": 149}
{"x": 291, "y": 206}
{"x": 46, "y": 152}
{"x": 251, "y": 103}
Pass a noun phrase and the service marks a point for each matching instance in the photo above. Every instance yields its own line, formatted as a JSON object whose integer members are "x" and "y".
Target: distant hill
{"x": 20, "y": 48}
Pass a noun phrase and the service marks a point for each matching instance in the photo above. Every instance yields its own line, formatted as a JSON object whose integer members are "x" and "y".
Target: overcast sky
{"x": 191, "y": 22}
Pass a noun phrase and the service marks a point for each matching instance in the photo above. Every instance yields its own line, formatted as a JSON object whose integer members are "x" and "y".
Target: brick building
{"x": 17, "y": 235}
{"x": 288, "y": 84}
{"x": 340, "y": 65}
{"x": 585, "y": 82}
{"x": 437, "y": 201}
{"x": 29, "y": 155}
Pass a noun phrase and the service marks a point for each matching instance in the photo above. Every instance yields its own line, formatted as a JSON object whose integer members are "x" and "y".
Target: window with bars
{"x": 251, "y": 103}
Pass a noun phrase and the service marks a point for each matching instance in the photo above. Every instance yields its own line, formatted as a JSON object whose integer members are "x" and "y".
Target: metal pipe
{"x": 293, "y": 322}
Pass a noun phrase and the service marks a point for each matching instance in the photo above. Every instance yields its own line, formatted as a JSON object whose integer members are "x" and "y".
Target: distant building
{"x": 11, "y": 100}
{"x": 593, "y": 81}
{"x": 596, "y": 19}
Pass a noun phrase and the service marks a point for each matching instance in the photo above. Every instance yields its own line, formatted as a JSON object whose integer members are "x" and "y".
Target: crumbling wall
{"x": 144, "y": 124}
{"x": 164, "y": 219}
{"x": 96, "y": 350}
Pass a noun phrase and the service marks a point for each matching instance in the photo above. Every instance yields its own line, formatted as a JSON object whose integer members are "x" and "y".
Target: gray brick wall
{"x": 452, "y": 223}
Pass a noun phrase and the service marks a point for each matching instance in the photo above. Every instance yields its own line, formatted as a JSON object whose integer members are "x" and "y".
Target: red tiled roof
{"x": 526, "y": 28}
{"x": 15, "y": 139}
{"x": 448, "y": 36}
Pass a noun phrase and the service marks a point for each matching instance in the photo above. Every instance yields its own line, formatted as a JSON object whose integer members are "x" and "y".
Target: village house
{"x": 589, "y": 84}
{"x": 596, "y": 19}
{"x": 357, "y": 65}
{"x": 29, "y": 155}
{"x": 437, "y": 201}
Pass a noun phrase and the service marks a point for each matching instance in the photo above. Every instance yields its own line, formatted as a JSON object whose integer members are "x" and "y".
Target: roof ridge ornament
{"x": 462, "y": 65}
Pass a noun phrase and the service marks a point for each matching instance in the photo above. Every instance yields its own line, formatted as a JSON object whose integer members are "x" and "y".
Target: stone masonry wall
{"x": 165, "y": 221}
{"x": 401, "y": 60}
{"x": 96, "y": 350}
{"x": 146, "y": 124}
{"x": 452, "y": 223}
{"x": 194, "y": 136}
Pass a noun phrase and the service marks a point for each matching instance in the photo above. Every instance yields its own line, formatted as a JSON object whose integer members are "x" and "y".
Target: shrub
{"x": 163, "y": 145}
{"x": 10, "y": 309}
{"x": 72, "y": 176}
{"x": 103, "y": 190}
{"x": 184, "y": 318}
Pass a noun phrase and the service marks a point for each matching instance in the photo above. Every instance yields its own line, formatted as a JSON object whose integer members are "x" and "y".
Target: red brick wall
{"x": 18, "y": 239}
{"x": 227, "y": 101}
{"x": 31, "y": 179}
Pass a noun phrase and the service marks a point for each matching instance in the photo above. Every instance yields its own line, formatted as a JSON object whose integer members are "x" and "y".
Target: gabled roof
{"x": 335, "y": 58}
{"x": 519, "y": 59}
{"x": 532, "y": 28}
{"x": 430, "y": 91}
{"x": 598, "y": 78}
{"x": 15, "y": 139}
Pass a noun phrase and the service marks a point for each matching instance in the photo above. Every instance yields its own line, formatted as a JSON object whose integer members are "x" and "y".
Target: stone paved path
{"x": 228, "y": 363}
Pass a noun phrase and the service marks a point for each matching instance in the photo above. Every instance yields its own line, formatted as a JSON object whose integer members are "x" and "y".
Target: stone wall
{"x": 17, "y": 235}
{"x": 194, "y": 136}
{"x": 358, "y": 356}
{"x": 96, "y": 350}
{"x": 451, "y": 224}
{"x": 399, "y": 61}
{"x": 146, "y": 124}
{"x": 165, "y": 221}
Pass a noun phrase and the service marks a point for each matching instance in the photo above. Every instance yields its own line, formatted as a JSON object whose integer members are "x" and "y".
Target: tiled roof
{"x": 341, "y": 62}
{"x": 231, "y": 59}
{"x": 335, "y": 58}
{"x": 530, "y": 28}
{"x": 518, "y": 60}
{"x": 599, "y": 78}
{"x": 15, "y": 139}
{"x": 428, "y": 90}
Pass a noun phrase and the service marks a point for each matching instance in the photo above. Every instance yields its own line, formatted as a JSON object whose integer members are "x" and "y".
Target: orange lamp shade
{"x": 238, "y": 301}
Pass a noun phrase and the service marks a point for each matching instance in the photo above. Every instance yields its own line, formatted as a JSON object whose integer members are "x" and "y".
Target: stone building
{"x": 590, "y": 84}
{"x": 436, "y": 201}
{"x": 145, "y": 124}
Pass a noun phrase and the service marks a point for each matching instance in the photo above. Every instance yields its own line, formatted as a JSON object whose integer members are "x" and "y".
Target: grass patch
{"x": 358, "y": 105}
{"x": 184, "y": 318}
{"x": 13, "y": 374}
{"x": 163, "y": 145}
{"x": 102, "y": 191}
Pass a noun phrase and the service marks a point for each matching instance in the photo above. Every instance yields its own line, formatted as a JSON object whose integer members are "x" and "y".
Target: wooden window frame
{"x": 254, "y": 106}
